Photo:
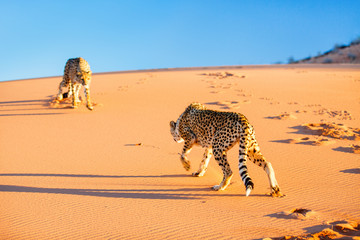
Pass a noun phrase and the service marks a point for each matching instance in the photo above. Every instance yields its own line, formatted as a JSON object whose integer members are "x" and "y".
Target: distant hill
{"x": 340, "y": 54}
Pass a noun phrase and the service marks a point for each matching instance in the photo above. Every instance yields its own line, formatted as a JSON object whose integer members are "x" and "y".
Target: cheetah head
{"x": 174, "y": 129}
{"x": 86, "y": 76}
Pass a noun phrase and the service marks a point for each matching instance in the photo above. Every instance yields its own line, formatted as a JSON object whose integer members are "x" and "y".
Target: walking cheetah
{"x": 218, "y": 132}
{"x": 76, "y": 73}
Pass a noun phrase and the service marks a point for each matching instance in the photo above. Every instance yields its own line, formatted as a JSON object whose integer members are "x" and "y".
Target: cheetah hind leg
{"x": 72, "y": 90}
{"x": 204, "y": 163}
{"x": 221, "y": 158}
{"x": 88, "y": 99}
{"x": 275, "y": 189}
{"x": 183, "y": 158}
{"x": 258, "y": 158}
{"x": 223, "y": 185}
{"x": 76, "y": 93}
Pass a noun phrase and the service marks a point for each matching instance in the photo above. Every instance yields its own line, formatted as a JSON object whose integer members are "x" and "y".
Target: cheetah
{"x": 218, "y": 132}
{"x": 76, "y": 73}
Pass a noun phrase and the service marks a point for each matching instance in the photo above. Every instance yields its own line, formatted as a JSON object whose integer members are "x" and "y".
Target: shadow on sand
{"x": 87, "y": 175}
{"x": 172, "y": 193}
{"x": 26, "y": 105}
{"x": 352, "y": 170}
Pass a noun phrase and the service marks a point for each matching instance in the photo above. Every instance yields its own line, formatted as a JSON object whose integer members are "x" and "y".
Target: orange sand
{"x": 115, "y": 173}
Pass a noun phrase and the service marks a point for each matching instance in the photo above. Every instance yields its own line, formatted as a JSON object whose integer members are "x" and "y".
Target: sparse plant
{"x": 307, "y": 59}
{"x": 291, "y": 60}
{"x": 355, "y": 41}
{"x": 351, "y": 56}
{"x": 339, "y": 46}
{"x": 327, "y": 60}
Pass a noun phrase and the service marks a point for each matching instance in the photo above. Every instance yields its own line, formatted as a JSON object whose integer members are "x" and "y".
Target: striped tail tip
{"x": 248, "y": 191}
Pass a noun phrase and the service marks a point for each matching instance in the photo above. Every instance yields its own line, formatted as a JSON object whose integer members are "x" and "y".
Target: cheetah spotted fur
{"x": 218, "y": 132}
{"x": 77, "y": 73}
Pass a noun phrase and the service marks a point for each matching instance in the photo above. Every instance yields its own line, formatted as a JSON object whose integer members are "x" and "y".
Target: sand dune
{"x": 115, "y": 173}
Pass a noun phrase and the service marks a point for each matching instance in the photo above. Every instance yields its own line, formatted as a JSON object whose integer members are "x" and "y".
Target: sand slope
{"x": 114, "y": 173}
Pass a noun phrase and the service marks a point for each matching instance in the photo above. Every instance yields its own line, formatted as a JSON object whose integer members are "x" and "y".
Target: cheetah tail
{"x": 248, "y": 191}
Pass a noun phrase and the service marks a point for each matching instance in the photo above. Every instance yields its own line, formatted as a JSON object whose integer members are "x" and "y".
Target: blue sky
{"x": 37, "y": 37}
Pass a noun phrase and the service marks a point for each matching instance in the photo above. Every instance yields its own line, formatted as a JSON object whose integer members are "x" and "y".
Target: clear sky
{"x": 37, "y": 37}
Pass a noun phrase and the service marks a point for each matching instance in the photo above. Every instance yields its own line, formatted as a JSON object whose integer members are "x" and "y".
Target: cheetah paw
{"x": 217, "y": 188}
{"x": 186, "y": 165}
{"x": 277, "y": 194}
{"x": 197, "y": 174}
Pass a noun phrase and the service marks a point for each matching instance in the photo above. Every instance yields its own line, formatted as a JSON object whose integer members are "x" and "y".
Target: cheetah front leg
{"x": 221, "y": 158}
{"x": 73, "y": 92}
{"x": 76, "y": 93}
{"x": 62, "y": 85}
{"x": 204, "y": 163}
{"x": 186, "y": 150}
{"x": 189, "y": 142}
{"x": 184, "y": 160}
{"x": 87, "y": 95}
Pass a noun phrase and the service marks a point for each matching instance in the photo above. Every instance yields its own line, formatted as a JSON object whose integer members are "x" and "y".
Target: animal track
{"x": 229, "y": 104}
{"x": 123, "y": 88}
{"x": 222, "y": 75}
{"x": 141, "y": 81}
{"x": 317, "y": 141}
{"x": 293, "y": 103}
{"x": 222, "y": 82}
{"x": 272, "y": 102}
{"x": 313, "y": 105}
{"x": 340, "y": 115}
{"x": 242, "y": 93}
{"x": 283, "y": 116}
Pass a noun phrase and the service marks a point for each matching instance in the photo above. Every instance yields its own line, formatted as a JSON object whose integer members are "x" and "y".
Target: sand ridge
{"x": 334, "y": 230}
{"x": 337, "y": 131}
{"x": 115, "y": 173}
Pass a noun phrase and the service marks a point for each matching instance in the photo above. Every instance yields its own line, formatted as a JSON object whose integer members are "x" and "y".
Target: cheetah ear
{"x": 172, "y": 125}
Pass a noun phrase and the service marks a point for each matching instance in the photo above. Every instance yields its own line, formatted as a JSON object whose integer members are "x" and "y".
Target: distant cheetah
{"x": 218, "y": 132}
{"x": 76, "y": 73}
